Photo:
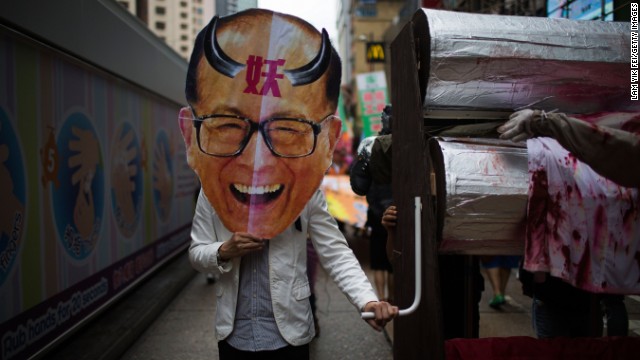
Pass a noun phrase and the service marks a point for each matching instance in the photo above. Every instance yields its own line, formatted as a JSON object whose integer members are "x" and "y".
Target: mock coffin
{"x": 477, "y": 69}
{"x": 481, "y": 187}
{"x": 471, "y": 62}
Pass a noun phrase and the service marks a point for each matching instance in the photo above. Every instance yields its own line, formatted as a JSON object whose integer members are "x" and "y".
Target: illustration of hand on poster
{"x": 162, "y": 176}
{"x": 82, "y": 179}
{"x": 126, "y": 179}
{"x": 87, "y": 158}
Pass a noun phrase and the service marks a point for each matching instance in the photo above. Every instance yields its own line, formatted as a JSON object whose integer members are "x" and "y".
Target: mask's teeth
{"x": 257, "y": 190}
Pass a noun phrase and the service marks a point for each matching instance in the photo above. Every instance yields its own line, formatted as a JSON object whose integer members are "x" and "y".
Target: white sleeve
{"x": 336, "y": 256}
{"x": 203, "y": 251}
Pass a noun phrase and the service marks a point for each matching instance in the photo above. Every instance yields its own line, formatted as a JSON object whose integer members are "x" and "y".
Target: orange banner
{"x": 343, "y": 203}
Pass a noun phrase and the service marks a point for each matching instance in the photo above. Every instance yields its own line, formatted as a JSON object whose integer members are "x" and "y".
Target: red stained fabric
{"x": 581, "y": 227}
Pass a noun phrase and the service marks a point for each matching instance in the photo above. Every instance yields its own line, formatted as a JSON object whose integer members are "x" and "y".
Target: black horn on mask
{"x": 312, "y": 71}
{"x": 303, "y": 75}
{"x": 215, "y": 56}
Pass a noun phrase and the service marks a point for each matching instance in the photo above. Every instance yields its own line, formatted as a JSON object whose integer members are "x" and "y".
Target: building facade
{"x": 362, "y": 23}
{"x": 177, "y": 22}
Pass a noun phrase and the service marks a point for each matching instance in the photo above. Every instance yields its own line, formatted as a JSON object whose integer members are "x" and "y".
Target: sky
{"x": 320, "y": 13}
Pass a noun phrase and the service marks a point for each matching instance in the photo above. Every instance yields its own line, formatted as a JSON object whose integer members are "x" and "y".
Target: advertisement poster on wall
{"x": 95, "y": 187}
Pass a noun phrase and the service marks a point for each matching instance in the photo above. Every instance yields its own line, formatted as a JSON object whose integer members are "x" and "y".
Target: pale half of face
{"x": 257, "y": 191}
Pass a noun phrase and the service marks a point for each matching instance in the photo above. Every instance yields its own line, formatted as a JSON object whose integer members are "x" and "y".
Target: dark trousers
{"x": 228, "y": 352}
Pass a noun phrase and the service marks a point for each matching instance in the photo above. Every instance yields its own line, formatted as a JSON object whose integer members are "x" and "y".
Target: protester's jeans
{"x": 616, "y": 315}
{"x": 552, "y": 320}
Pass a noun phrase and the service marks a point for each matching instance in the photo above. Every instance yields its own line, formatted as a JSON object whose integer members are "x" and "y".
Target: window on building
{"x": 184, "y": 37}
{"x": 183, "y": 3}
{"x": 184, "y": 26}
{"x": 160, "y": 25}
{"x": 161, "y": 10}
{"x": 580, "y": 9}
{"x": 184, "y": 48}
{"x": 183, "y": 15}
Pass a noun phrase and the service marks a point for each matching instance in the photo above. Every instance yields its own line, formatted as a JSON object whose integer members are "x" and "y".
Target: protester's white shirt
{"x": 290, "y": 288}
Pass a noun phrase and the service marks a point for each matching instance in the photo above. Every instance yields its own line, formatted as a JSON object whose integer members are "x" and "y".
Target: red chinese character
{"x": 254, "y": 72}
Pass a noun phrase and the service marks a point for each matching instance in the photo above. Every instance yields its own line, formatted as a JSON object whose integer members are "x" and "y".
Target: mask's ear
{"x": 185, "y": 121}
{"x": 334, "y": 132}
{"x": 335, "y": 127}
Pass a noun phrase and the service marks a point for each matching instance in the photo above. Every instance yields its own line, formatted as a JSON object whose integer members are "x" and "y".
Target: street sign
{"x": 372, "y": 96}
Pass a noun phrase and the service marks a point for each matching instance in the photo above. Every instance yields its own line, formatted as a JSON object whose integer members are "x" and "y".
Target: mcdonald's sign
{"x": 375, "y": 52}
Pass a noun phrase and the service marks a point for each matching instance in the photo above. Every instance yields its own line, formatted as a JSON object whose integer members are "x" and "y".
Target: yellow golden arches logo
{"x": 375, "y": 52}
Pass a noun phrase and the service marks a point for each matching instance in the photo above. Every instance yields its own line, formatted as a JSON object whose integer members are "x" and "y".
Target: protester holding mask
{"x": 260, "y": 133}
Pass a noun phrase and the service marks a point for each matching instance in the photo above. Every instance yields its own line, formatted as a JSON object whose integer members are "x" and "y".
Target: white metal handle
{"x": 418, "y": 267}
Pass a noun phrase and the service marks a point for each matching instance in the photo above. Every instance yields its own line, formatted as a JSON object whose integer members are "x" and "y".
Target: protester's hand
{"x": 390, "y": 218}
{"x": 239, "y": 245}
{"x": 383, "y": 311}
{"x": 518, "y": 127}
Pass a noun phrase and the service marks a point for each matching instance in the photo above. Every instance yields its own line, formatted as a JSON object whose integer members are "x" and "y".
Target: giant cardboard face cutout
{"x": 260, "y": 132}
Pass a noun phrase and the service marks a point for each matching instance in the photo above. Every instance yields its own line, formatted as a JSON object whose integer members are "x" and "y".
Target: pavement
{"x": 171, "y": 316}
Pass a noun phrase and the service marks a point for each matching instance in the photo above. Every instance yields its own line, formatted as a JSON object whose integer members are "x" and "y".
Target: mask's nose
{"x": 257, "y": 154}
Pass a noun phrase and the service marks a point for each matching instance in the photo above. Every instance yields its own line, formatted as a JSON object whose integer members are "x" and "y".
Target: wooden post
{"x": 419, "y": 335}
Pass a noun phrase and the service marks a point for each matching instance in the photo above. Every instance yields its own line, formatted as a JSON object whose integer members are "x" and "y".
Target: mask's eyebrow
{"x": 223, "y": 110}
{"x": 287, "y": 114}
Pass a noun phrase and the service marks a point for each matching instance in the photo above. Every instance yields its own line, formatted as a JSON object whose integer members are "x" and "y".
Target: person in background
{"x": 340, "y": 165}
{"x": 389, "y": 221}
{"x": 379, "y": 197}
{"x": 453, "y": 270}
{"x": 260, "y": 132}
{"x": 498, "y": 270}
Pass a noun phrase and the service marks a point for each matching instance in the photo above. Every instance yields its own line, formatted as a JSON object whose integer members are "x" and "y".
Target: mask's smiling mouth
{"x": 256, "y": 195}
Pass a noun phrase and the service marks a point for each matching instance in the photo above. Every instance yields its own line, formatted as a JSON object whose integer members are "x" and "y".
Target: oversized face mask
{"x": 262, "y": 132}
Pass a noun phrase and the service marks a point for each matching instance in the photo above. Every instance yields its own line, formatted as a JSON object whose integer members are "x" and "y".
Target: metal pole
{"x": 418, "y": 264}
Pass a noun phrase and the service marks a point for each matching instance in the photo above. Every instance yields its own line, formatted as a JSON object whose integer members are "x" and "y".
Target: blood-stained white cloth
{"x": 581, "y": 227}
